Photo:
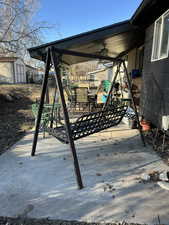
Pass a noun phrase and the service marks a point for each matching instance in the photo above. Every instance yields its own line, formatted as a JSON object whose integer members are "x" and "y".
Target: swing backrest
{"x": 47, "y": 110}
{"x": 96, "y": 121}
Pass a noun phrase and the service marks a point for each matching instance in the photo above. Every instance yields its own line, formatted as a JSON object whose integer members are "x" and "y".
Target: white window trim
{"x": 161, "y": 37}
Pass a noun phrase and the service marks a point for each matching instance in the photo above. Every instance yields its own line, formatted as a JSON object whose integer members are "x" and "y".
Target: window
{"x": 161, "y": 38}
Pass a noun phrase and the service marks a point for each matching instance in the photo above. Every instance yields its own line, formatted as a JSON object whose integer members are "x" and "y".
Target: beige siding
{"x": 132, "y": 55}
{"x": 101, "y": 76}
{"x": 6, "y": 72}
{"x": 135, "y": 59}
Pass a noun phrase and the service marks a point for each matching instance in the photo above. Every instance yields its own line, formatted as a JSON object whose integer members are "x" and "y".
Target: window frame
{"x": 159, "y": 57}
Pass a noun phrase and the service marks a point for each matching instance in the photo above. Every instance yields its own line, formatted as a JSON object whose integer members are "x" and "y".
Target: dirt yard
{"x": 15, "y": 112}
{"x": 18, "y": 221}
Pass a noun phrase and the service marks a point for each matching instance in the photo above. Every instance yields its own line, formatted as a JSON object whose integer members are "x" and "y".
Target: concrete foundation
{"x": 111, "y": 165}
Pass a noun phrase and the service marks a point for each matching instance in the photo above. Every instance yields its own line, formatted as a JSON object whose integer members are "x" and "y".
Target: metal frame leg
{"x": 53, "y": 106}
{"x": 134, "y": 105}
{"x": 55, "y": 61}
{"x": 44, "y": 86}
{"x": 163, "y": 143}
{"x": 112, "y": 86}
{"x": 155, "y": 138}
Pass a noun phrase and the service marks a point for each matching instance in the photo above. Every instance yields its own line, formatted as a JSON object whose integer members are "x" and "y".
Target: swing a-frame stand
{"x": 78, "y": 129}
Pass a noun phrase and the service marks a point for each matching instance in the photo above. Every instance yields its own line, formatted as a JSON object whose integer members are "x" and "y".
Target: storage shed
{"x": 12, "y": 70}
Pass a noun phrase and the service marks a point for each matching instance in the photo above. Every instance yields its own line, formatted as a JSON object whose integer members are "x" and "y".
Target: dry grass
{"x": 46, "y": 221}
{"x": 16, "y": 116}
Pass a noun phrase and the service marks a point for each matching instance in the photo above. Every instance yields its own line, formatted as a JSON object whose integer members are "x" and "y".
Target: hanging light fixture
{"x": 103, "y": 52}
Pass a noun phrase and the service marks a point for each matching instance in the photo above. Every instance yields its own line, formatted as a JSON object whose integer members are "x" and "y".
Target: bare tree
{"x": 17, "y": 29}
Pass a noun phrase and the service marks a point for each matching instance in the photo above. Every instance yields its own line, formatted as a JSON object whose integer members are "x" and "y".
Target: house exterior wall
{"x": 6, "y": 72}
{"x": 99, "y": 76}
{"x": 155, "y": 92}
{"x": 132, "y": 60}
{"x": 103, "y": 75}
{"x": 135, "y": 57}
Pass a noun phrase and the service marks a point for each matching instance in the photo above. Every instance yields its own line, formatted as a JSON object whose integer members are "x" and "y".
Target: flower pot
{"x": 145, "y": 125}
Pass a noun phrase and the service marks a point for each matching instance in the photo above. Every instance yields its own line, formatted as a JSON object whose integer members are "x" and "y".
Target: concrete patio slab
{"x": 111, "y": 165}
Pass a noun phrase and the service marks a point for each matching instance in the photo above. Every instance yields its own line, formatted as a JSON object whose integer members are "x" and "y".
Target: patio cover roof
{"x": 148, "y": 12}
{"x": 117, "y": 39}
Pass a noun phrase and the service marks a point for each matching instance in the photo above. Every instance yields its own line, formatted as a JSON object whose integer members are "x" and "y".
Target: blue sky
{"x": 76, "y": 16}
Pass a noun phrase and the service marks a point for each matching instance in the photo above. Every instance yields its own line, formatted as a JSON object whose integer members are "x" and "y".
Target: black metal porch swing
{"x": 90, "y": 123}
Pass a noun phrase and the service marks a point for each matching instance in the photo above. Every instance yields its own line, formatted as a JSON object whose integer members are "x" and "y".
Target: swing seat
{"x": 90, "y": 123}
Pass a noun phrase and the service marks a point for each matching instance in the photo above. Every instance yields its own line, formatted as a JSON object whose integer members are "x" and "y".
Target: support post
{"x": 112, "y": 86}
{"x": 44, "y": 87}
{"x": 55, "y": 61}
{"x": 133, "y": 102}
{"x": 53, "y": 106}
{"x": 47, "y": 95}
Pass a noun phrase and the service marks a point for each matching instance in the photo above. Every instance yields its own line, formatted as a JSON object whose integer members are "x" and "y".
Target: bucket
{"x": 135, "y": 73}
